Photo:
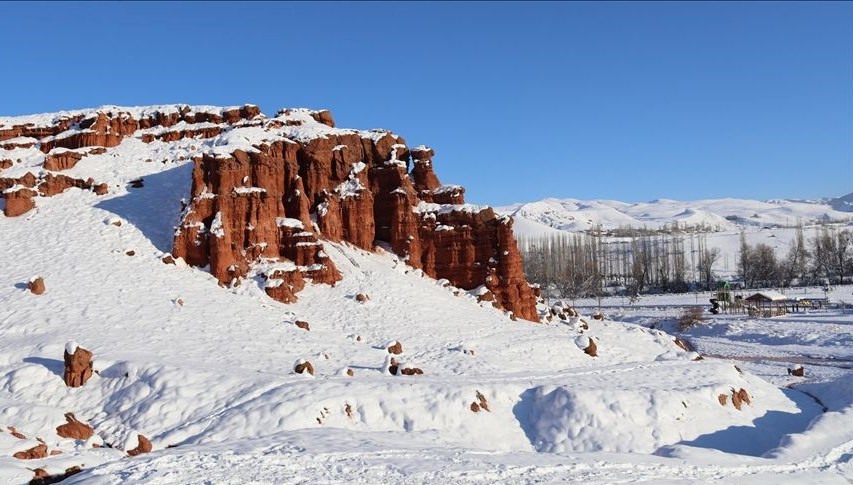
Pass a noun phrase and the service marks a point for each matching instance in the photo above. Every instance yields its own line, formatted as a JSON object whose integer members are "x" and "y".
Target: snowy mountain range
{"x": 547, "y": 215}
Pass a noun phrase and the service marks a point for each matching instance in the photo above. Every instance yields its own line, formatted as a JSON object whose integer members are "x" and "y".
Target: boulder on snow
{"x": 34, "y": 453}
{"x": 14, "y": 432}
{"x": 41, "y": 477}
{"x": 395, "y": 348}
{"x": 78, "y": 365}
{"x": 303, "y": 366}
{"x": 74, "y": 429}
{"x": 739, "y": 397}
{"x": 303, "y": 325}
{"x": 361, "y": 298}
{"x": 587, "y": 345}
{"x": 797, "y": 371}
{"x": 411, "y": 371}
{"x": 168, "y": 259}
{"x": 143, "y": 446}
{"x": 36, "y": 285}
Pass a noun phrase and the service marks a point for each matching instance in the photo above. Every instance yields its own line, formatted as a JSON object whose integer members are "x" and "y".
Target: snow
{"x": 216, "y": 226}
{"x": 71, "y": 347}
{"x": 288, "y": 222}
{"x": 214, "y": 376}
{"x": 249, "y": 190}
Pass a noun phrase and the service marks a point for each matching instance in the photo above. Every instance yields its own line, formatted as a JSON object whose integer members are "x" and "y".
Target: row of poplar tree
{"x": 573, "y": 265}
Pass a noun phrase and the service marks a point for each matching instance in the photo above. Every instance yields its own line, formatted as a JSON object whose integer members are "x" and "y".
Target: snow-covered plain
{"x": 207, "y": 372}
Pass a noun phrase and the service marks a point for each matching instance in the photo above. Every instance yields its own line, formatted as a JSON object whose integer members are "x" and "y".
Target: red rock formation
{"x": 341, "y": 185}
{"x": 78, "y": 366}
{"x": 143, "y": 446}
{"x": 74, "y": 429}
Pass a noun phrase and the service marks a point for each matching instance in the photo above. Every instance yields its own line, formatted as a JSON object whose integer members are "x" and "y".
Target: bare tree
{"x": 705, "y": 265}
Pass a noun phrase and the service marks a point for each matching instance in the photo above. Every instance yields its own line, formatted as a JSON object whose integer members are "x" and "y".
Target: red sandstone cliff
{"x": 266, "y": 192}
{"x": 280, "y": 188}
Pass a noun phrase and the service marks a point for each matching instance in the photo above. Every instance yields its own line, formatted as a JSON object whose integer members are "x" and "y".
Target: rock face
{"x": 268, "y": 199}
{"x": 78, "y": 366}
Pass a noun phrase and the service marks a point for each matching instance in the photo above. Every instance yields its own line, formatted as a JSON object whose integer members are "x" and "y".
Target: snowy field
{"x": 207, "y": 373}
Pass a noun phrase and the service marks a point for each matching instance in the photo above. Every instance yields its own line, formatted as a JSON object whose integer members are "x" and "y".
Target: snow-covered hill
{"x": 206, "y": 372}
{"x": 535, "y": 218}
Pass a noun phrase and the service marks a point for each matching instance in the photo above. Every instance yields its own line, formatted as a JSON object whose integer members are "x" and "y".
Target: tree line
{"x": 575, "y": 265}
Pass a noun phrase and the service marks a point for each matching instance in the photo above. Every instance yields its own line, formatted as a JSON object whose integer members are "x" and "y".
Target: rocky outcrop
{"x": 78, "y": 365}
{"x": 342, "y": 186}
{"x": 67, "y": 138}
{"x": 266, "y": 193}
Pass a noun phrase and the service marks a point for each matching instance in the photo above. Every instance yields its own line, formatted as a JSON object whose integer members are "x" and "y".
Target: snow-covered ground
{"x": 207, "y": 372}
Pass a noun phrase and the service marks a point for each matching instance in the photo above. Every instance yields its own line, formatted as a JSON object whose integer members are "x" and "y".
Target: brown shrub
{"x": 690, "y": 318}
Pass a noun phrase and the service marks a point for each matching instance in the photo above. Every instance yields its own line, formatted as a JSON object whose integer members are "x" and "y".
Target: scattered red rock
{"x": 723, "y": 398}
{"x": 137, "y": 183}
{"x": 361, "y": 298}
{"x": 303, "y": 325}
{"x": 798, "y": 371}
{"x": 475, "y": 407}
{"x": 396, "y": 348}
{"x": 74, "y": 429}
{"x": 411, "y": 371}
{"x": 143, "y": 446}
{"x": 41, "y": 477}
{"x": 348, "y": 410}
{"x": 598, "y": 316}
{"x": 592, "y": 349}
{"x": 303, "y": 367}
{"x": 19, "y": 202}
{"x": 14, "y": 432}
{"x": 168, "y": 259}
{"x": 739, "y": 397}
{"x": 55, "y": 452}
{"x": 36, "y": 285}
{"x": 484, "y": 404}
{"x": 394, "y": 367}
{"x": 350, "y": 372}
{"x": 130, "y": 253}
{"x": 36, "y": 452}
{"x": 78, "y": 366}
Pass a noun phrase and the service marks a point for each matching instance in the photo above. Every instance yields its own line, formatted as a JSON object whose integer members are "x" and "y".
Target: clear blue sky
{"x": 521, "y": 101}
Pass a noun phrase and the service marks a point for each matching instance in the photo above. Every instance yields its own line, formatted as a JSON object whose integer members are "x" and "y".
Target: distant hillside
{"x": 544, "y": 216}
{"x": 843, "y": 204}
